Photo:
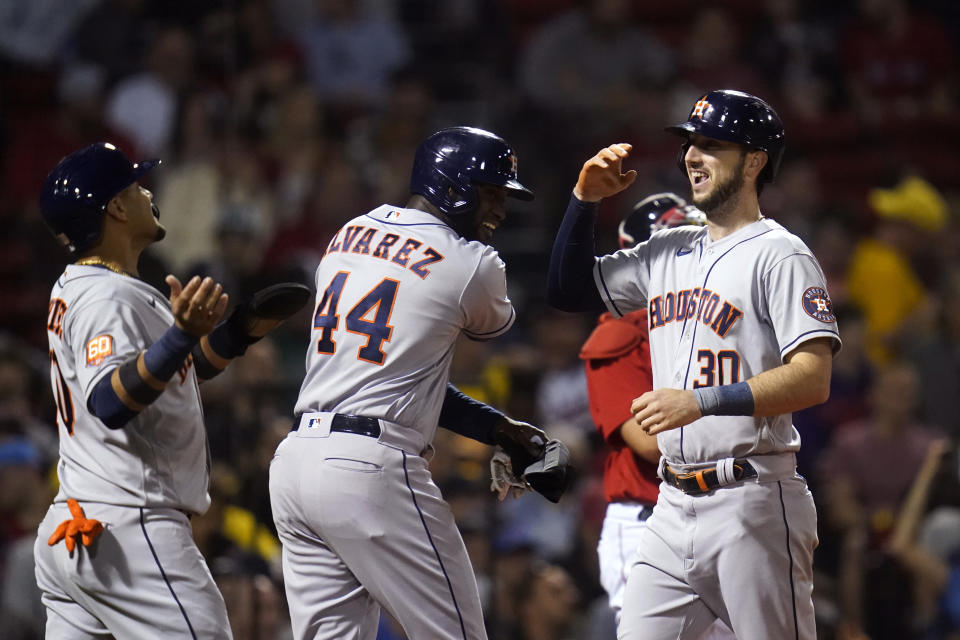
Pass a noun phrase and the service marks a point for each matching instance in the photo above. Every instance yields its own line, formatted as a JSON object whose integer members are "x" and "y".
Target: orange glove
{"x": 87, "y": 529}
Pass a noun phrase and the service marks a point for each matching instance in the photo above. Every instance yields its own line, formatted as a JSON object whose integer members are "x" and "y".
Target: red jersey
{"x": 617, "y": 359}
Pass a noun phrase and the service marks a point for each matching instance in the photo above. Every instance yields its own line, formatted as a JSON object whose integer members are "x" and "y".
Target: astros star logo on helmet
{"x": 698, "y": 109}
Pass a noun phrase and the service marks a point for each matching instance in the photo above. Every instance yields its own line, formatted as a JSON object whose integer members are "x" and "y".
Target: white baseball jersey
{"x": 720, "y": 312}
{"x": 97, "y": 320}
{"x": 362, "y": 523}
{"x": 395, "y": 289}
{"x": 143, "y": 576}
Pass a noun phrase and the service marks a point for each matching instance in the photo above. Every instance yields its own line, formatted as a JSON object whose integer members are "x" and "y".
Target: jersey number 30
{"x": 370, "y": 317}
{"x": 722, "y": 367}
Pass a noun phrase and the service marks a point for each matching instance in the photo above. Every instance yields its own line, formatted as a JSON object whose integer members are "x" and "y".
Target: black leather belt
{"x": 705, "y": 480}
{"x": 346, "y": 423}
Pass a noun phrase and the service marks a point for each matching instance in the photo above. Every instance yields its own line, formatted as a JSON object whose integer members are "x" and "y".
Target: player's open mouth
{"x": 698, "y": 177}
{"x": 490, "y": 225}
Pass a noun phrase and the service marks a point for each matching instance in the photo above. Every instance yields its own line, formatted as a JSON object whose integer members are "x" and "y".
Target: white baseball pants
{"x": 363, "y": 526}
{"x": 617, "y": 550}
{"x": 742, "y": 553}
{"x": 143, "y": 577}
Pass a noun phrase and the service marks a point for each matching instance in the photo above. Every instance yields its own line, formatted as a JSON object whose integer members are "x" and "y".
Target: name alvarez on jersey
{"x": 359, "y": 239}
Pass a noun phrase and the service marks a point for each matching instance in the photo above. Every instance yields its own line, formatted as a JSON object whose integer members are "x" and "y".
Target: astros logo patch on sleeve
{"x": 817, "y": 304}
{"x": 98, "y": 349}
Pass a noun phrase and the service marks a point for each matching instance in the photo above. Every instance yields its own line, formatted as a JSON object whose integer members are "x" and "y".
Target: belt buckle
{"x": 679, "y": 480}
{"x": 698, "y": 476}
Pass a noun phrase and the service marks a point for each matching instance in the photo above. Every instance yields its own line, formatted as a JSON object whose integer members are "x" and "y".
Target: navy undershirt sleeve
{"x": 570, "y": 285}
{"x": 468, "y": 417}
{"x": 106, "y": 405}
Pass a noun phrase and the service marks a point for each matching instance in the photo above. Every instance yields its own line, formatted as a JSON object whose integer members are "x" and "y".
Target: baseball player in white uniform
{"x": 741, "y": 334}
{"x": 115, "y": 554}
{"x": 617, "y": 359}
{"x": 362, "y": 523}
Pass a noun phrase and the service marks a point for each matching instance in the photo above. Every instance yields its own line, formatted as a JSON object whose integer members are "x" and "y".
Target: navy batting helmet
{"x": 739, "y": 117}
{"x": 656, "y": 212}
{"x": 450, "y": 163}
{"x": 75, "y": 194}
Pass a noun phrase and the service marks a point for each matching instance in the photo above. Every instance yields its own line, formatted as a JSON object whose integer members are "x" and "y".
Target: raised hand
{"x": 602, "y": 176}
{"x": 198, "y": 306}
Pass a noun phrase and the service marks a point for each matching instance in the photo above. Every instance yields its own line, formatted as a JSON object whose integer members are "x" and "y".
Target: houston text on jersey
{"x": 694, "y": 303}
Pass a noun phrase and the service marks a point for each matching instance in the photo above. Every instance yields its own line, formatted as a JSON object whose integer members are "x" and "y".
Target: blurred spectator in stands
{"x": 936, "y": 354}
{"x": 189, "y": 196}
{"x": 23, "y": 487}
{"x": 335, "y": 196}
{"x": 254, "y": 603}
{"x": 382, "y": 145}
{"x": 881, "y": 279}
{"x": 231, "y": 532}
{"x": 514, "y": 556}
{"x": 559, "y": 390}
{"x": 549, "y": 603}
{"x": 552, "y": 529}
{"x": 144, "y": 104}
{"x": 934, "y": 568}
{"x": 293, "y": 147}
{"x": 114, "y": 35}
{"x": 42, "y": 137}
{"x": 235, "y": 257}
{"x": 438, "y": 31}
{"x": 850, "y": 384}
{"x": 24, "y": 399}
{"x": 23, "y": 491}
{"x": 562, "y": 401}
{"x": 796, "y": 199}
{"x": 866, "y": 473}
{"x": 243, "y": 404}
{"x": 833, "y": 242}
{"x": 23, "y": 613}
{"x": 592, "y": 70}
{"x": 900, "y": 64}
{"x": 33, "y": 33}
{"x": 351, "y": 51}
{"x": 786, "y": 38}
{"x": 820, "y": 125}
{"x": 710, "y": 57}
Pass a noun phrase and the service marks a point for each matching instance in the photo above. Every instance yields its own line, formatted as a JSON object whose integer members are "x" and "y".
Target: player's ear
{"x": 117, "y": 207}
{"x": 756, "y": 161}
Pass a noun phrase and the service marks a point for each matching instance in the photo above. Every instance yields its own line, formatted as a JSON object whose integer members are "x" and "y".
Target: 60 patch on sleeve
{"x": 98, "y": 349}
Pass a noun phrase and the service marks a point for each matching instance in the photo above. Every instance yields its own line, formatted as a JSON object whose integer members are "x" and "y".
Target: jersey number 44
{"x": 370, "y": 316}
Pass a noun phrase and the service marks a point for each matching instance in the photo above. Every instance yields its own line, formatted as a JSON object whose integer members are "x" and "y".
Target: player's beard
{"x": 468, "y": 225}
{"x": 714, "y": 203}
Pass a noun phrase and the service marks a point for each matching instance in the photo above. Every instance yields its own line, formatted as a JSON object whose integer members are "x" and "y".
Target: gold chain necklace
{"x": 100, "y": 262}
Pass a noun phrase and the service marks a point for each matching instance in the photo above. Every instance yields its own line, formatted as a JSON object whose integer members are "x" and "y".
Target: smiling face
{"x": 490, "y": 213}
{"x": 717, "y": 170}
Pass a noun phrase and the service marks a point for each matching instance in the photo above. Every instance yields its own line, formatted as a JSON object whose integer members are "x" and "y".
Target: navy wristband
{"x": 726, "y": 400}
{"x": 167, "y": 354}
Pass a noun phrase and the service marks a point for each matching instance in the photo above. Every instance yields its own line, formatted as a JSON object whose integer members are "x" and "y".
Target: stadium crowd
{"x": 278, "y": 120}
